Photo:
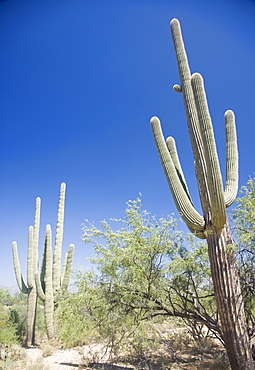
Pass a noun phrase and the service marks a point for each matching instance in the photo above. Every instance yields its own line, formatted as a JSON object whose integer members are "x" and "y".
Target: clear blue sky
{"x": 80, "y": 80}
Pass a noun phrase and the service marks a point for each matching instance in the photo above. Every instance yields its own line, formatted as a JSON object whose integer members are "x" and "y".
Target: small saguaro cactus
{"x": 212, "y": 224}
{"x": 51, "y": 280}
{"x": 32, "y": 266}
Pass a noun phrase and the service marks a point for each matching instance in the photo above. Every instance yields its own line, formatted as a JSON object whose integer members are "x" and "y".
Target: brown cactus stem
{"x": 229, "y": 299}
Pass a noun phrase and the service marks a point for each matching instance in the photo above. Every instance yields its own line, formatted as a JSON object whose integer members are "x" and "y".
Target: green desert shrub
{"x": 8, "y": 329}
{"x": 73, "y": 319}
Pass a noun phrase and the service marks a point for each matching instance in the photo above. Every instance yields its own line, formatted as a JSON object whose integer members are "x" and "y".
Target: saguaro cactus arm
{"x": 67, "y": 266}
{"x": 39, "y": 288}
{"x": 192, "y": 218}
{"x": 20, "y": 281}
{"x": 214, "y": 179}
{"x": 44, "y": 281}
{"x": 170, "y": 143}
{"x": 231, "y": 186}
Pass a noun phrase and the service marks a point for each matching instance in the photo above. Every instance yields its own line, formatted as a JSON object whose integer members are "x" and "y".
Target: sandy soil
{"x": 59, "y": 360}
{"x": 186, "y": 356}
{"x": 72, "y": 359}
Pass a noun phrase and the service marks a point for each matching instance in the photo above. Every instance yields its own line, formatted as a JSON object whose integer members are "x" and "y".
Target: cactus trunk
{"x": 229, "y": 298}
{"x": 31, "y": 317}
{"x": 212, "y": 225}
{"x": 46, "y": 294}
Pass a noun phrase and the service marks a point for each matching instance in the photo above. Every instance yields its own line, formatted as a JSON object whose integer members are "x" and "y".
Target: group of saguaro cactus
{"x": 212, "y": 225}
{"x": 50, "y": 280}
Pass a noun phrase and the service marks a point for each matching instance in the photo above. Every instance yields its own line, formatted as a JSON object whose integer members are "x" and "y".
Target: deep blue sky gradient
{"x": 80, "y": 80}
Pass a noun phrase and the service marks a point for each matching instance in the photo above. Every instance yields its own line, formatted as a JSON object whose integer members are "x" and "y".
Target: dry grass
{"x": 175, "y": 350}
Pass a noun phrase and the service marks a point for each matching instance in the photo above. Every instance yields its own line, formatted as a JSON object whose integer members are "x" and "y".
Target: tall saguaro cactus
{"x": 51, "y": 280}
{"x": 212, "y": 224}
{"x": 32, "y": 266}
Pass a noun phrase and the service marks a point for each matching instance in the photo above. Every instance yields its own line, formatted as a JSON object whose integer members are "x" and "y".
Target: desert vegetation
{"x": 155, "y": 297}
{"x": 148, "y": 301}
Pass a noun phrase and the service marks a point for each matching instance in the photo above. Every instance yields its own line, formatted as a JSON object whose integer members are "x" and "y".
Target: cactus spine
{"x": 212, "y": 225}
{"x": 51, "y": 280}
{"x": 32, "y": 266}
